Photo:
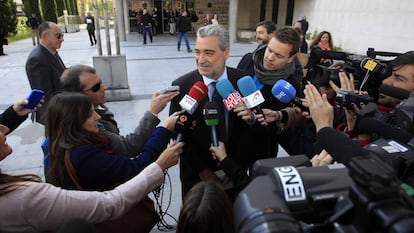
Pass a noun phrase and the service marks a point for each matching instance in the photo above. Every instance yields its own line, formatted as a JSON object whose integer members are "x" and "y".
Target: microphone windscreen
{"x": 394, "y": 92}
{"x": 210, "y": 113}
{"x": 283, "y": 91}
{"x": 224, "y": 88}
{"x": 246, "y": 85}
{"x": 198, "y": 91}
{"x": 381, "y": 129}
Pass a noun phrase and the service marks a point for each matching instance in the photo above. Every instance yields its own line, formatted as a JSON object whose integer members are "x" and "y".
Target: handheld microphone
{"x": 252, "y": 96}
{"x": 185, "y": 123}
{"x": 230, "y": 96}
{"x": 211, "y": 119}
{"x": 394, "y": 92}
{"x": 198, "y": 92}
{"x": 286, "y": 93}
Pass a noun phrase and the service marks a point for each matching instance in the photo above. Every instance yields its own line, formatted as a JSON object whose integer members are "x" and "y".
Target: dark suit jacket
{"x": 43, "y": 71}
{"x": 196, "y": 156}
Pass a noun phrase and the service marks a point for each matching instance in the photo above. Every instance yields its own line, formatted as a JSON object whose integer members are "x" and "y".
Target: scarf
{"x": 270, "y": 77}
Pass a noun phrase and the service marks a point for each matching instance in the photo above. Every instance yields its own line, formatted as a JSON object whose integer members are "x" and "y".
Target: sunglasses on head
{"x": 95, "y": 87}
{"x": 59, "y": 35}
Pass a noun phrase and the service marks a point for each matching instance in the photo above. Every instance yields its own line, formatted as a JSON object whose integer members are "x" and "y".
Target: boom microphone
{"x": 394, "y": 92}
{"x": 211, "y": 119}
{"x": 230, "y": 96}
{"x": 198, "y": 92}
{"x": 381, "y": 129}
{"x": 286, "y": 93}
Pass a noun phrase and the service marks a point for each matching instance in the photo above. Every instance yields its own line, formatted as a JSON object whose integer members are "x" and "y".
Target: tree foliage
{"x": 8, "y": 18}
{"x": 49, "y": 10}
{"x": 31, "y": 6}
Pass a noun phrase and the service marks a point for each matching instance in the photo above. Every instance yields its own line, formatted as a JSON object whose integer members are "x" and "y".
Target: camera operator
{"x": 402, "y": 77}
{"x": 342, "y": 148}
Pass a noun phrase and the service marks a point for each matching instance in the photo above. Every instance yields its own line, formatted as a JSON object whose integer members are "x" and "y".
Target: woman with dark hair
{"x": 72, "y": 128}
{"x": 206, "y": 208}
{"x": 32, "y": 206}
{"x": 323, "y": 41}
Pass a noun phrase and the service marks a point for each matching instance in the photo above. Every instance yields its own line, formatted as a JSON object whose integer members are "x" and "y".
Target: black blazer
{"x": 43, "y": 71}
{"x": 196, "y": 155}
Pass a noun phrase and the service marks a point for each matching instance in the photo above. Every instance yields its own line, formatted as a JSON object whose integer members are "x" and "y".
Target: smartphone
{"x": 170, "y": 89}
{"x": 34, "y": 98}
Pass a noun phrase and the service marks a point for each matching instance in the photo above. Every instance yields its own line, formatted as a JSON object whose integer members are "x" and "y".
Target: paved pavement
{"x": 150, "y": 67}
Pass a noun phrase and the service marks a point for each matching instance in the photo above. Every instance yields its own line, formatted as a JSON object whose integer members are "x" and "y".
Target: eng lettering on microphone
{"x": 232, "y": 100}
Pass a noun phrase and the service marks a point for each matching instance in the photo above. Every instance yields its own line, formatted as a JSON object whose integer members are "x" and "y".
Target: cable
{"x": 158, "y": 193}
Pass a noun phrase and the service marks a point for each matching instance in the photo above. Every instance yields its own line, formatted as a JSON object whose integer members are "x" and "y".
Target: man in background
{"x": 90, "y": 26}
{"x": 303, "y": 24}
{"x": 44, "y": 65}
{"x": 264, "y": 30}
{"x": 33, "y": 23}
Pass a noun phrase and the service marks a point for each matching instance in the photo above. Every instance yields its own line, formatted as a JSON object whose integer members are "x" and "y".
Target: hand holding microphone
{"x": 233, "y": 100}
{"x": 252, "y": 96}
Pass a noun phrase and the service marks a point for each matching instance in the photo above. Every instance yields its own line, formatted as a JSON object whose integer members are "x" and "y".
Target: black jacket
{"x": 183, "y": 24}
{"x": 196, "y": 156}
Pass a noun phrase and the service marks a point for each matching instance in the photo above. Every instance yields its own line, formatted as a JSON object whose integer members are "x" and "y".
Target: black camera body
{"x": 346, "y": 99}
{"x": 362, "y": 67}
{"x": 365, "y": 197}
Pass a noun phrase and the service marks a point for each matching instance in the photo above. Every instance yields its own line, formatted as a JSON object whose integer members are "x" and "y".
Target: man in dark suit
{"x": 44, "y": 66}
{"x": 197, "y": 163}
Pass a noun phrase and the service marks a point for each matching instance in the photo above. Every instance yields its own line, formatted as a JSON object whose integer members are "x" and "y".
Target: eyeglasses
{"x": 95, "y": 87}
{"x": 59, "y": 35}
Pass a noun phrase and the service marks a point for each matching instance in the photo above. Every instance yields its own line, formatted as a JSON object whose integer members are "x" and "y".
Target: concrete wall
{"x": 357, "y": 25}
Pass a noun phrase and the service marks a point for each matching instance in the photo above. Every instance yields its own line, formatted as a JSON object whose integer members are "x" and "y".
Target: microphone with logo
{"x": 286, "y": 93}
{"x": 230, "y": 96}
{"x": 252, "y": 96}
{"x": 185, "y": 123}
{"x": 211, "y": 119}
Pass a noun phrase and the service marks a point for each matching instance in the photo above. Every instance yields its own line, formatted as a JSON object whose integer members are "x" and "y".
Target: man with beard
{"x": 273, "y": 62}
{"x": 264, "y": 31}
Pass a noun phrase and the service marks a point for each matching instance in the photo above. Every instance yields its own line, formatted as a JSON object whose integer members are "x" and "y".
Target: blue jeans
{"x": 145, "y": 30}
{"x": 180, "y": 37}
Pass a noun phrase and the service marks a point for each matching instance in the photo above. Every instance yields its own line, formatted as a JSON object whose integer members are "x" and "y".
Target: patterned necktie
{"x": 60, "y": 60}
{"x": 222, "y": 129}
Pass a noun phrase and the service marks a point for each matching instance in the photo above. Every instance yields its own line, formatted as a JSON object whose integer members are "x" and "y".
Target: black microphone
{"x": 211, "y": 119}
{"x": 189, "y": 103}
{"x": 338, "y": 145}
{"x": 184, "y": 125}
{"x": 379, "y": 129}
{"x": 394, "y": 92}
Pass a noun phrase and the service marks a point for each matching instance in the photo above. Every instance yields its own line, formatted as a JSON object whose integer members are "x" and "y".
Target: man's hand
{"x": 159, "y": 101}
{"x": 170, "y": 122}
{"x": 320, "y": 109}
{"x": 18, "y": 107}
{"x": 244, "y": 112}
{"x": 219, "y": 152}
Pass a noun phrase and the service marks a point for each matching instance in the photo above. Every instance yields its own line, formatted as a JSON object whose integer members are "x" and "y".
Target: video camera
{"x": 346, "y": 99}
{"x": 367, "y": 70}
{"x": 326, "y": 199}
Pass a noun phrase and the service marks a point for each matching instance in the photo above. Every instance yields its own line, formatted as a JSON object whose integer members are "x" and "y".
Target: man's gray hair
{"x": 216, "y": 30}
